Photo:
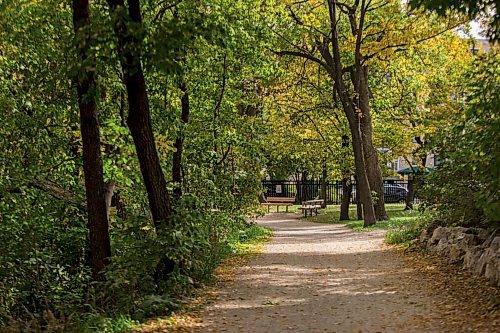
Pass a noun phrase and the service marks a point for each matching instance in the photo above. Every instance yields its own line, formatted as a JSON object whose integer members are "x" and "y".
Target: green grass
{"x": 398, "y": 217}
{"x": 92, "y": 323}
{"x": 246, "y": 239}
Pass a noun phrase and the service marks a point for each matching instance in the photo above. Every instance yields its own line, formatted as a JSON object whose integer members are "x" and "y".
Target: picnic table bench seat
{"x": 278, "y": 201}
{"x": 311, "y": 206}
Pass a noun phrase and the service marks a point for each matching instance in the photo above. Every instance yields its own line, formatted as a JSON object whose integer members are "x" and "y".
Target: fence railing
{"x": 394, "y": 190}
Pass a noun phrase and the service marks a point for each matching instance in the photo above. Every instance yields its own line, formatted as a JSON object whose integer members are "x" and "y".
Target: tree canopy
{"x": 136, "y": 134}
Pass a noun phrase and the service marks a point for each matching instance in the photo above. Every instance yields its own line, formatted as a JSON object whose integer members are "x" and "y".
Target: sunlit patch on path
{"x": 324, "y": 278}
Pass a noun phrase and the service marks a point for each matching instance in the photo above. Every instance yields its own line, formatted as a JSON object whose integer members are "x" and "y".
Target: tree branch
{"x": 306, "y": 56}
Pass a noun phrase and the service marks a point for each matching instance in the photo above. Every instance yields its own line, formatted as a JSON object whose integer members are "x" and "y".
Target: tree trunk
{"x": 346, "y": 199}
{"x": 415, "y": 182}
{"x": 100, "y": 248}
{"x": 108, "y": 195}
{"x": 179, "y": 143}
{"x": 116, "y": 201}
{"x": 411, "y": 195}
{"x": 298, "y": 188}
{"x": 323, "y": 185}
{"x": 304, "y": 186}
{"x": 359, "y": 210}
{"x": 139, "y": 118}
{"x": 373, "y": 170}
{"x": 363, "y": 192}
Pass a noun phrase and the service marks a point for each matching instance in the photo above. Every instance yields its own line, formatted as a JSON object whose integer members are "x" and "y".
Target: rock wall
{"x": 477, "y": 249}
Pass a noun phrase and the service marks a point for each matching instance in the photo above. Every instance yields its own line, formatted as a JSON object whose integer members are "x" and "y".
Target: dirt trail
{"x": 325, "y": 278}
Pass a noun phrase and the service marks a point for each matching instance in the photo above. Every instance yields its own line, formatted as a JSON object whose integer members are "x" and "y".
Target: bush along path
{"x": 327, "y": 278}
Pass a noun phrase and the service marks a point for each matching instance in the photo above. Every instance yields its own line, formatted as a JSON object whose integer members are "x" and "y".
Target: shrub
{"x": 403, "y": 234}
{"x": 43, "y": 257}
{"x": 464, "y": 189}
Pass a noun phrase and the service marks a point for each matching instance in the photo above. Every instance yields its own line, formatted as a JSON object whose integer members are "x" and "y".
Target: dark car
{"x": 392, "y": 193}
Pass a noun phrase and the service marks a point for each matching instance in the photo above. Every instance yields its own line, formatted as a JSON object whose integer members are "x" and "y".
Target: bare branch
{"x": 305, "y": 56}
{"x": 164, "y": 9}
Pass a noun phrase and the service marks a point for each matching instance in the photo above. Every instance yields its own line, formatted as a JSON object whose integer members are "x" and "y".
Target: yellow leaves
{"x": 164, "y": 145}
{"x": 394, "y": 30}
{"x": 307, "y": 134}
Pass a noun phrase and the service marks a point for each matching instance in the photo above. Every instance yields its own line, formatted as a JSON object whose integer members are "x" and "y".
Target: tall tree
{"x": 100, "y": 248}
{"x": 139, "y": 118}
{"x": 179, "y": 142}
{"x": 345, "y": 40}
{"x": 349, "y": 105}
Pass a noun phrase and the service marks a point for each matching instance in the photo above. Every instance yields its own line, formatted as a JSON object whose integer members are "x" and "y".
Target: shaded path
{"x": 324, "y": 278}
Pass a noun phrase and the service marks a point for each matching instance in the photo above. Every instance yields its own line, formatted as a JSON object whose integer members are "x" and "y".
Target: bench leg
{"x": 287, "y": 209}
{"x": 277, "y": 209}
{"x": 268, "y": 208}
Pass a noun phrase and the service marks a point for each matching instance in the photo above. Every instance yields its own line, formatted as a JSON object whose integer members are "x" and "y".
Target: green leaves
{"x": 486, "y": 10}
{"x": 465, "y": 186}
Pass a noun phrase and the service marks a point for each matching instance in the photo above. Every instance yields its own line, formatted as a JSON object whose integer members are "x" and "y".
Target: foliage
{"x": 95, "y": 323}
{"x": 250, "y": 114}
{"x": 487, "y": 10}
{"x": 44, "y": 258}
{"x": 415, "y": 95}
{"x": 464, "y": 190}
{"x": 404, "y": 234}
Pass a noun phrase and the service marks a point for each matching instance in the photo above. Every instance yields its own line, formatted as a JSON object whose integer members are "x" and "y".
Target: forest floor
{"x": 327, "y": 278}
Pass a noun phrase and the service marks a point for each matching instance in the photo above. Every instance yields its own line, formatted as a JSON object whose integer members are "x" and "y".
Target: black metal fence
{"x": 394, "y": 190}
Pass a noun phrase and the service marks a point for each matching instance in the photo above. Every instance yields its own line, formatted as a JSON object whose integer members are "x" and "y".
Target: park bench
{"x": 278, "y": 201}
{"x": 311, "y": 206}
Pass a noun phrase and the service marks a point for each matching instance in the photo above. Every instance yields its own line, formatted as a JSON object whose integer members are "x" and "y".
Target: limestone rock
{"x": 471, "y": 260}
{"x": 491, "y": 260}
{"x": 478, "y": 248}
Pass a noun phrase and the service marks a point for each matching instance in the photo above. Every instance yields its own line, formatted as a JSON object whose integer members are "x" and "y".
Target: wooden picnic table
{"x": 314, "y": 202}
{"x": 311, "y": 206}
{"x": 278, "y": 201}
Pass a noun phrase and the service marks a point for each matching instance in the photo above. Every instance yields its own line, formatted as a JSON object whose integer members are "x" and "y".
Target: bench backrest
{"x": 280, "y": 199}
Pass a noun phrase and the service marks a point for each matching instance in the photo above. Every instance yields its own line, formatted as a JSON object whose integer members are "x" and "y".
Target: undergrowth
{"x": 238, "y": 242}
{"x": 45, "y": 282}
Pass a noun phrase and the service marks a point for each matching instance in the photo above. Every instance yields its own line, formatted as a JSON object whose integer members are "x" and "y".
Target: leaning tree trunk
{"x": 139, "y": 122}
{"x": 100, "y": 248}
{"x": 346, "y": 199}
{"x": 373, "y": 170}
{"x": 139, "y": 118}
{"x": 179, "y": 143}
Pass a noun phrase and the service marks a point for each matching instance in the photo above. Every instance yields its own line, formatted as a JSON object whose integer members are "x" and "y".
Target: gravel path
{"x": 324, "y": 278}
